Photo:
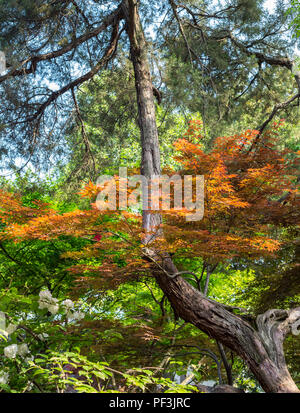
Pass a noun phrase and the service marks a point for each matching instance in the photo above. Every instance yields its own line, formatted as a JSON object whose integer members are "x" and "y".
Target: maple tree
{"x": 251, "y": 196}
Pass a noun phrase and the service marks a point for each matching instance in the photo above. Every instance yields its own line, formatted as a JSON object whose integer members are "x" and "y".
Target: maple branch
{"x": 205, "y": 351}
{"x": 209, "y": 273}
{"x": 220, "y": 346}
{"x": 188, "y": 379}
{"x": 152, "y": 294}
{"x": 8, "y": 254}
{"x": 227, "y": 367}
{"x": 149, "y": 254}
{"x": 285, "y": 197}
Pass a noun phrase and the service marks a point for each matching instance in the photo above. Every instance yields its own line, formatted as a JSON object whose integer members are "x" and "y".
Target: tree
{"x": 262, "y": 351}
{"x": 75, "y": 35}
{"x": 242, "y": 191}
{"x": 294, "y": 12}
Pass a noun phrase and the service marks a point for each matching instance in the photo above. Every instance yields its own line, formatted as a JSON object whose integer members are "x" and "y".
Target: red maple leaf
{"x": 97, "y": 237}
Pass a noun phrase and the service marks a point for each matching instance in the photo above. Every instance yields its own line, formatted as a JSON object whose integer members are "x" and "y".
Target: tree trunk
{"x": 150, "y": 163}
{"x": 262, "y": 350}
{"x": 253, "y": 346}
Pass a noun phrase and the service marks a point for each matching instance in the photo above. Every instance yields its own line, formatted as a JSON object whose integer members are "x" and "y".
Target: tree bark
{"x": 234, "y": 332}
{"x": 150, "y": 162}
{"x": 257, "y": 348}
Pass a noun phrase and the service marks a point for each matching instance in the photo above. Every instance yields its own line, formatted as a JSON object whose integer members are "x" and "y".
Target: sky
{"x": 270, "y": 5}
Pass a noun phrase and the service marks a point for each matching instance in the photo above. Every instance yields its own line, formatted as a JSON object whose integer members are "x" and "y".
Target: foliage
{"x": 294, "y": 11}
{"x": 118, "y": 333}
{"x": 80, "y": 310}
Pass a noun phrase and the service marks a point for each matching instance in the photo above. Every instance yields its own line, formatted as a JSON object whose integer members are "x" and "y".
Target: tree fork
{"x": 262, "y": 350}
